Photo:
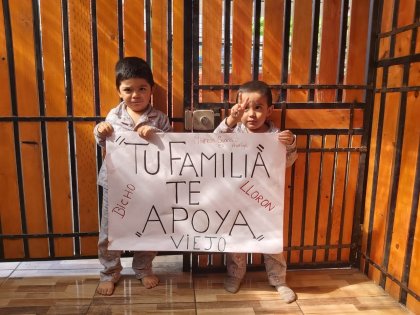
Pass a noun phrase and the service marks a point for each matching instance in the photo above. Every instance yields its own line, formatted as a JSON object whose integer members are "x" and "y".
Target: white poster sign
{"x": 199, "y": 192}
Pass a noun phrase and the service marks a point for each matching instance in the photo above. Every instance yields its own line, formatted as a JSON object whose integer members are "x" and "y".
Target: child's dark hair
{"x": 132, "y": 67}
{"x": 259, "y": 87}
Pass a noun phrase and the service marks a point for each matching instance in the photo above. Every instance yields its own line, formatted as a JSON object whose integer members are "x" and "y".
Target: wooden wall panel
{"x": 273, "y": 43}
{"x": 388, "y": 139}
{"x": 356, "y": 49}
{"x": 107, "y": 30}
{"x": 390, "y": 218}
{"x": 57, "y": 132}
{"x": 30, "y": 138}
{"x": 414, "y": 280}
{"x": 160, "y": 54}
{"x": 404, "y": 194}
{"x": 328, "y": 64}
{"x": 83, "y": 105}
{"x": 10, "y": 208}
{"x": 5, "y": 110}
{"x": 406, "y": 180}
{"x": 241, "y": 43}
{"x": 211, "y": 48}
{"x": 134, "y": 32}
{"x": 301, "y": 50}
{"x": 322, "y": 119}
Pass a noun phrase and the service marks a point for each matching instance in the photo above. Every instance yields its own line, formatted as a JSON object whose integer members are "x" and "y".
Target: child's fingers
{"x": 105, "y": 128}
{"x": 286, "y": 138}
{"x": 145, "y": 131}
{"x": 245, "y": 102}
{"x": 235, "y": 112}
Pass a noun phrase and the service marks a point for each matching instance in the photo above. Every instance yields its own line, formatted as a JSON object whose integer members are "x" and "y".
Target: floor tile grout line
{"x": 195, "y": 298}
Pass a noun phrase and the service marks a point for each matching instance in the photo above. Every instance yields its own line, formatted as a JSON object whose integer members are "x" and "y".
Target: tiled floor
{"x": 68, "y": 287}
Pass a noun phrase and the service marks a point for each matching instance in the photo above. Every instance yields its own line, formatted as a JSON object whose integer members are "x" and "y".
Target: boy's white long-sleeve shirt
{"x": 121, "y": 121}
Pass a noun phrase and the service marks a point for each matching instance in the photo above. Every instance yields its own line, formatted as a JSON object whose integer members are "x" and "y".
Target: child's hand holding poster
{"x": 196, "y": 192}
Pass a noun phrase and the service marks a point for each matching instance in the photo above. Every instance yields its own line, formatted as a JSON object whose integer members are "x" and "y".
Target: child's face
{"x": 136, "y": 93}
{"x": 256, "y": 111}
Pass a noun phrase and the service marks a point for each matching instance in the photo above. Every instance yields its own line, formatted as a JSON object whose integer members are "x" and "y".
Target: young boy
{"x": 134, "y": 80}
{"x": 254, "y": 106}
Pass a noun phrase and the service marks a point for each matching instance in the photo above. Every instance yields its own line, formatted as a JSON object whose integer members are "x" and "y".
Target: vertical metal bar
{"x": 95, "y": 57}
{"x": 376, "y": 164}
{"x": 186, "y": 262}
{"x": 314, "y": 47}
{"x": 97, "y": 100}
{"x": 191, "y": 33}
{"x": 13, "y": 99}
{"x": 292, "y": 193}
{"x": 194, "y": 258}
{"x": 375, "y": 15}
{"x": 256, "y": 51}
{"x": 305, "y": 196}
{"x": 169, "y": 38}
{"x": 343, "y": 202}
{"x": 188, "y": 258}
{"x": 69, "y": 104}
{"x": 411, "y": 230}
{"x": 195, "y": 50}
{"x": 285, "y": 62}
{"x": 226, "y": 55}
{"x": 318, "y": 199}
{"x": 331, "y": 204}
{"x": 120, "y": 15}
{"x": 188, "y": 42}
{"x": 41, "y": 103}
{"x": 148, "y": 33}
{"x": 342, "y": 44}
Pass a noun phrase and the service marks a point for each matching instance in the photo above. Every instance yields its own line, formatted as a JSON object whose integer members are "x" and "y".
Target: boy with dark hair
{"x": 134, "y": 82}
{"x": 250, "y": 114}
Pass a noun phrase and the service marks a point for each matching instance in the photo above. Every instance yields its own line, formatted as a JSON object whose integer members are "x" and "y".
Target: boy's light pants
{"x": 275, "y": 265}
{"x": 111, "y": 259}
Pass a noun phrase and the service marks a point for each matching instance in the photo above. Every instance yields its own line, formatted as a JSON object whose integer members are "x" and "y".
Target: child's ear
{"x": 270, "y": 110}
